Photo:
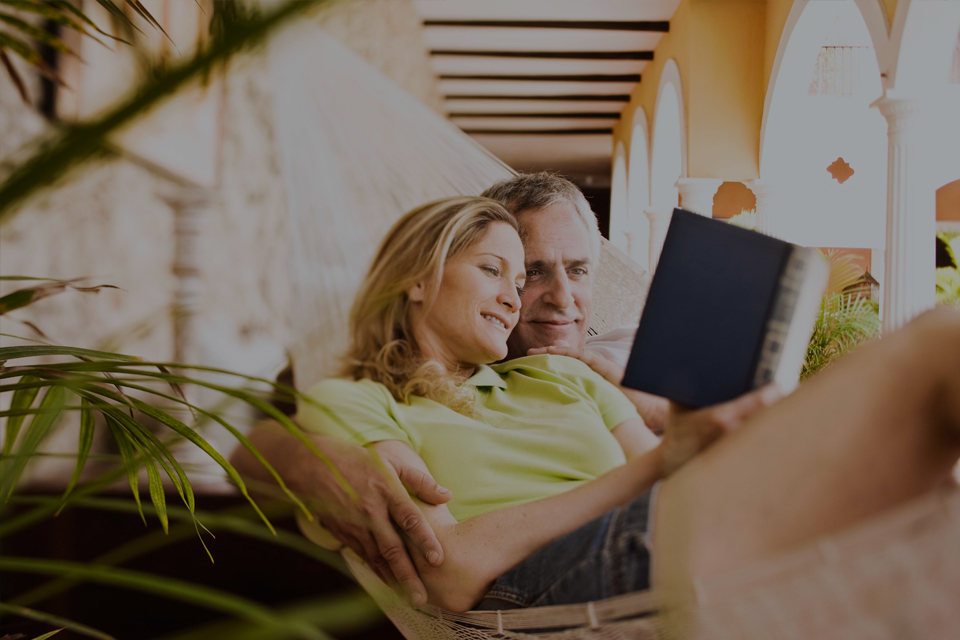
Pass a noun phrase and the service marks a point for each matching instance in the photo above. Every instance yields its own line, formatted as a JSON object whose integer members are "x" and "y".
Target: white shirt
{"x": 614, "y": 344}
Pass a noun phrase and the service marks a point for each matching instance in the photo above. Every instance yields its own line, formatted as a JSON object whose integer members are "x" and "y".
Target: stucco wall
{"x": 719, "y": 48}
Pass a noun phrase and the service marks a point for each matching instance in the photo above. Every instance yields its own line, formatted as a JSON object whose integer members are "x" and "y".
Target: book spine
{"x": 781, "y": 316}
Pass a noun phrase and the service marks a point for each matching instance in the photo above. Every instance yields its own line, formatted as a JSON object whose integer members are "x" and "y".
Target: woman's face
{"x": 477, "y": 304}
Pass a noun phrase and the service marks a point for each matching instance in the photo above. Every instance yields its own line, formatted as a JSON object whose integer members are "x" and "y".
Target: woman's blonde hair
{"x": 382, "y": 346}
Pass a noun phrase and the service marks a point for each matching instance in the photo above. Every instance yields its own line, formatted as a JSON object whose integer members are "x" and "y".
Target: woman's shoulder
{"x": 546, "y": 363}
{"x": 338, "y": 391}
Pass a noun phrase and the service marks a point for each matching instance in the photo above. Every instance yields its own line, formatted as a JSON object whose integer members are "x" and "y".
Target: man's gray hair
{"x": 530, "y": 192}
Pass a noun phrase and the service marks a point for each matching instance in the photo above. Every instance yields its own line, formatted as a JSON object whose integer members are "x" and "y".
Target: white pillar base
{"x": 696, "y": 194}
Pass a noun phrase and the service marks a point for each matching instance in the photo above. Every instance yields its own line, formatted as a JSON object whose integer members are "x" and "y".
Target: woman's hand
{"x": 690, "y": 431}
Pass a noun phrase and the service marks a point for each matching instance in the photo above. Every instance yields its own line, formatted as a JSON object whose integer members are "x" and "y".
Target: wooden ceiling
{"x": 541, "y": 83}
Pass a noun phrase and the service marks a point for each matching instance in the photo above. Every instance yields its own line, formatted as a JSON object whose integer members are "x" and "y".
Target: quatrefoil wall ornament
{"x": 840, "y": 170}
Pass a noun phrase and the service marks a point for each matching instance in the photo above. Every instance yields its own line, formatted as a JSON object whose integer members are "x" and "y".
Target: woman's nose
{"x": 510, "y": 297}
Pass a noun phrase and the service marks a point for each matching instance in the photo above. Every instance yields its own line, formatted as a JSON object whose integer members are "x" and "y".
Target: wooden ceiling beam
{"x": 661, "y": 26}
{"x": 593, "y": 77}
{"x": 557, "y": 55}
{"x": 579, "y": 97}
{"x": 604, "y": 115}
{"x": 545, "y": 132}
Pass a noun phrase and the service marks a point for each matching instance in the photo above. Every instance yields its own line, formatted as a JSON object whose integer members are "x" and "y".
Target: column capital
{"x": 696, "y": 194}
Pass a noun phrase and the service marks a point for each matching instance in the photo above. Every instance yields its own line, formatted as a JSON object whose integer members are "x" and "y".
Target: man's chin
{"x": 541, "y": 339}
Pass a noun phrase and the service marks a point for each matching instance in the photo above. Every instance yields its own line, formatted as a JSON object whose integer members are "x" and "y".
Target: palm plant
{"x": 141, "y": 406}
{"x": 845, "y": 320}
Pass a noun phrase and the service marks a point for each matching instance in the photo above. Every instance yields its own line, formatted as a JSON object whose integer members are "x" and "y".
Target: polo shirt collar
{"x": 484, "y": 376}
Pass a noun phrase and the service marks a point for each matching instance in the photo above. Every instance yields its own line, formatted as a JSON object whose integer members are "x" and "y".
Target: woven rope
{"x": 895, "y": 577}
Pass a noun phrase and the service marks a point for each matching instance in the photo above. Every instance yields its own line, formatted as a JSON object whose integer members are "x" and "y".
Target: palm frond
{"x": 85, "y": 140}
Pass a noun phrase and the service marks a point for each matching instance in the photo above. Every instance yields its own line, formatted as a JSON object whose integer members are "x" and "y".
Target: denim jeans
{"x": 606, "y": 557}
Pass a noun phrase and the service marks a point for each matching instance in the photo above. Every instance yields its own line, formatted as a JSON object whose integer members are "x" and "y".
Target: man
{"x": 562, "y": 245}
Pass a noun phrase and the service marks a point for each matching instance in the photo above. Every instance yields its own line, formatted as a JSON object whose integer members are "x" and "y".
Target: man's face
{"x": 559, "y": 288}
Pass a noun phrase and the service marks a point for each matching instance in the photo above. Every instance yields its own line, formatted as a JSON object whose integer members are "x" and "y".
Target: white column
{"x": 696, "y": 194}
{"x": 659, "y": 221}
{"x": 765, "y": 193}
{"x": 909, "y": 277}
{"x": 187, "y": 206}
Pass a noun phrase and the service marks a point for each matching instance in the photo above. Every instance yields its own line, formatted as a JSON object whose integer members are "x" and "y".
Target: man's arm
{"x": 367, "y": 525}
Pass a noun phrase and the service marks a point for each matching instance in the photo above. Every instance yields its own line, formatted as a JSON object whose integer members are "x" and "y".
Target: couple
{"x": 556, "y": 494}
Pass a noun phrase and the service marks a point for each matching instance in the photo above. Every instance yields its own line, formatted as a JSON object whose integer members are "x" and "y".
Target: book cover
{"x": 728, "y": 311}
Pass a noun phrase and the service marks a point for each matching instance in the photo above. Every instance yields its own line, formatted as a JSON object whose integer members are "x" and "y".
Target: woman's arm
{"x": 478, "y": 550}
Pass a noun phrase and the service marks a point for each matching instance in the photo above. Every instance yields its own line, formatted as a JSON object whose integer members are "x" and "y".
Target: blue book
{"x": 728, "y": 311}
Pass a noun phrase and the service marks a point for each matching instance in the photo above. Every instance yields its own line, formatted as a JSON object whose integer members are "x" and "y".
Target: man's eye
{"x": 533, "y": 273}
{"x": 578, "y": 271}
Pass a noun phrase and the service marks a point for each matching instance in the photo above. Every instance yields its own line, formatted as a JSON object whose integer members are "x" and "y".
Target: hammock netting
{"x": 356, "y": 152}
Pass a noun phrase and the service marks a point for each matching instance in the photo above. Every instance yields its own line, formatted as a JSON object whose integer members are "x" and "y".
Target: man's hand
{"x": 366, "y": 525}
{"x": 653, "y": 409}
{"x": 690, "y": 431}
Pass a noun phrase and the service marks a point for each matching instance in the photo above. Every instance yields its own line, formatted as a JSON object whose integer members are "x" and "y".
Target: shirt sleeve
{"x": 359, "y": 412}
{"x": 613, "y": 405}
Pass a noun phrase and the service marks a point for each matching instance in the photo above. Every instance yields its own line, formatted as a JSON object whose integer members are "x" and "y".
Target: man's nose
{"x": 559, "y": 294}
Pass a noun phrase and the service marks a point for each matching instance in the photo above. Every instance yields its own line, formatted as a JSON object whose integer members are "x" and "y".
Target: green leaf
{"x": 50, "y": 12}
{"x": 117, "y": 13}
{"x": 38, "y": 430}
{"x": 21, "y": 401}
{"x": 139, "y": 8}
{"x": 14, "y": 76}
{"x": 38, "y": 34}
{"x": 48, "y": 634}
{"x": 66, "y": 6}
{"x": 130, "y": 462}
{"x": 195, "y": 438}
{"x": 167, "y": 587}
{"x": 21, "y": 48}
{"x": 23, "y": 297}
{"x": 49, "y": 618}
{"x": 83, "y": 449}
{"x": 35, "y": 351}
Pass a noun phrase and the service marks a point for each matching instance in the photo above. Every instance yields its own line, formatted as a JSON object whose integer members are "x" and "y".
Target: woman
{"x": 550, "y": 467}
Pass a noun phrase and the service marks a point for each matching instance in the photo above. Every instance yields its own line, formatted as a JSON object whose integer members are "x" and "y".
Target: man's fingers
{"x": 411, "y": 521}
{"x": 394, "y": 555}
{"x": 423, "y": 485}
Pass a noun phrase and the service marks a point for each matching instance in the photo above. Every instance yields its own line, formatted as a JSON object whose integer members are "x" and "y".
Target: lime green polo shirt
{"x": 542, "y": 427}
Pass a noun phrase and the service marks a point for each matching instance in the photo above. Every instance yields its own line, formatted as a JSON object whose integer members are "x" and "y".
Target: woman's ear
{"x": 417, "y": 292}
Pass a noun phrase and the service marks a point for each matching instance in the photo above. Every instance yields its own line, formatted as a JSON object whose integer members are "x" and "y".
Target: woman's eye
{"x": 493, "y": 271}
{"x": 519, "y": 290}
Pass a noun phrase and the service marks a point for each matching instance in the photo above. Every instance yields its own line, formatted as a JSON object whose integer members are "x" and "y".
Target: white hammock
{"x": 356, "y": 152}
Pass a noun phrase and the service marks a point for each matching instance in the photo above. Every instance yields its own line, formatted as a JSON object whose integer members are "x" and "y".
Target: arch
{"x": 638, "y": 190}
{"x": 923, "y": 37}
{"x": 875, "y": 19}
{"x": 618, "y": 199}
{"x": 669, "y": 157}
{"x": 806, "y": 130}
